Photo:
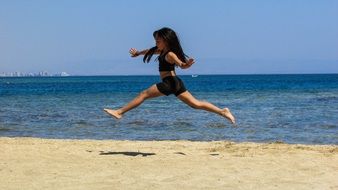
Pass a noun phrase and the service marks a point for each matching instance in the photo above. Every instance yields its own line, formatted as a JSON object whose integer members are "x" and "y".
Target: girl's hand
{"x": 190, "y": 61}
{"x": 133, "y": 52}
{"x": 188, "y": 64}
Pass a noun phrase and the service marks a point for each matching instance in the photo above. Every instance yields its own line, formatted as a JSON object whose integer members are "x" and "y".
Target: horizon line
{"x": 177, "y": 75}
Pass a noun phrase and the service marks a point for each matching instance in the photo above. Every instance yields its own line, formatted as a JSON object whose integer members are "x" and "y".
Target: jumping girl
{"x": 170, "y": 53}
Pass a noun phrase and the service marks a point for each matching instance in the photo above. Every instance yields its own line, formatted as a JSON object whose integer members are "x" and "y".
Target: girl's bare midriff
{"x": 164, "y": 74}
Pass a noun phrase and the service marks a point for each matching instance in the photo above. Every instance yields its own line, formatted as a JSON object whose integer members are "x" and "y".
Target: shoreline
{"x": 121, "y": 164}
{"x": 169, "y": 140}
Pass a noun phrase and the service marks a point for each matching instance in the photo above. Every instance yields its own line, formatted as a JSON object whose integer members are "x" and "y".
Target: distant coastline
{"x": 39, "y": 74}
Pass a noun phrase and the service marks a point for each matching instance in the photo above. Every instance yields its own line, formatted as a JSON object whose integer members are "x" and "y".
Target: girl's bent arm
{"x": 173, "y": 59}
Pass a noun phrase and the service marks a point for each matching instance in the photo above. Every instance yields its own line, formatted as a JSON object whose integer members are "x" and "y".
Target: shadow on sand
{"x": 127, "y": 153}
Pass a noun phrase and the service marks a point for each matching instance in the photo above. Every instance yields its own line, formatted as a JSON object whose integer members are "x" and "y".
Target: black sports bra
{"x": 165, "y": 65}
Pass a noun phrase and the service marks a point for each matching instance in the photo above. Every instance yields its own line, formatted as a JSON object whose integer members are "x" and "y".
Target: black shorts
{"x": 171, "y": 85}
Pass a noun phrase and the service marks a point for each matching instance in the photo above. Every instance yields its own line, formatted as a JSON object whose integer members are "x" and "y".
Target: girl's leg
{"x": 187, "y": 98}
{"x": 151, "y": 92}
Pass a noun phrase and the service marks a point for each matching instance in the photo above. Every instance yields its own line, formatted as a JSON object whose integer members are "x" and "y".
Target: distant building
{"x": 43, "y": 74}
{"x": 64, "y": 74}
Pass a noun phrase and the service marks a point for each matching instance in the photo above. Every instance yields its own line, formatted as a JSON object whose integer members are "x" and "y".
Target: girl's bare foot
{"x": 227, "y": 114}
{"x": 113, "y": 113}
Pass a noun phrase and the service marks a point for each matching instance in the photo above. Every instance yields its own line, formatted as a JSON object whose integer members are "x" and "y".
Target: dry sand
{"x": 27, "y": 163}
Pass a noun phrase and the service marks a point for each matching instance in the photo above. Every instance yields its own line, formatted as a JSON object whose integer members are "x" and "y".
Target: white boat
{"x": 194, "y": 76}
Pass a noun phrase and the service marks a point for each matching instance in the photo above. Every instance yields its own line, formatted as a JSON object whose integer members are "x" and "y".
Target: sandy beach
{"x": 29, "y": 163}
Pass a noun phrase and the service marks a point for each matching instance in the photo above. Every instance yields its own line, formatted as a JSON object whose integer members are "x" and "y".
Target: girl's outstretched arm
{"x": 134, "y": 52}
{"x": 173, "y": 59}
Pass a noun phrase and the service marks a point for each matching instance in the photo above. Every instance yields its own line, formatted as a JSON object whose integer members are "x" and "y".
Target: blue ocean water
{"x": 288, "y": 108}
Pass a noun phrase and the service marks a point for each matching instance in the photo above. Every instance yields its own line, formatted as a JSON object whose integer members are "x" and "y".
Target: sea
{"x": 295, "y": 109}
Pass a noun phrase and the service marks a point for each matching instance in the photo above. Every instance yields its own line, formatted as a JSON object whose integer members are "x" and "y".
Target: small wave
{"x": 329, "y": 126}
{"x": 326, "y": 99}
{"x": 137, "y": 122}
{"x": 5, "y": 129}
{"x": 216, "y": 125}
{"x": 81, "y": 124}
{"x": 182, "y": 124}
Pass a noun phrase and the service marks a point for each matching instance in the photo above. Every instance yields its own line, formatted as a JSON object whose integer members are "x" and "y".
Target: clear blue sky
{"x": 88, "y": 37}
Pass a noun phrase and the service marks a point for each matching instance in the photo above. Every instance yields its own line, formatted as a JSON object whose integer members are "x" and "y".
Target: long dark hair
{"x": 170, "y": 38}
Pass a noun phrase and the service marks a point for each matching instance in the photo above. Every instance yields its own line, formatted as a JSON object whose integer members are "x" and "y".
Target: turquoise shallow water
{"x": 288, "y": 108}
